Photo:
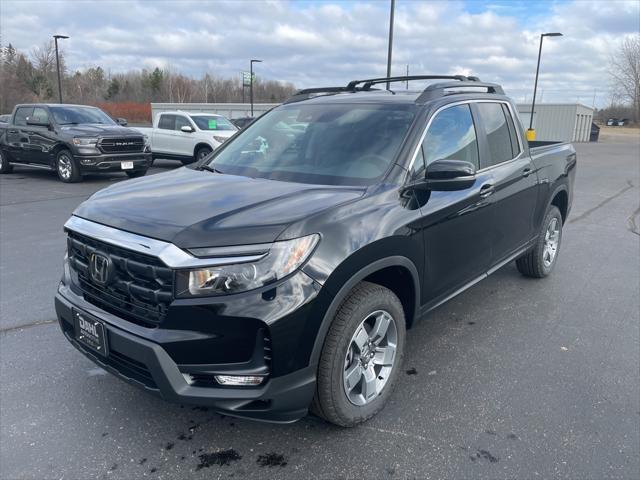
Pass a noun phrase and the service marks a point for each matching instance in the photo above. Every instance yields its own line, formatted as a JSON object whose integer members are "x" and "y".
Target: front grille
{"x": 121, "y": 145}
{"x": 140, "y": 287}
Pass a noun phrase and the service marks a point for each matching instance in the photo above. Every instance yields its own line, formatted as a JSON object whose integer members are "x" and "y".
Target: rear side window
{"x": 21, "y": 115}
{"x": 167, "y": 122}
{"x": 497, "y": 131}
{"x": 515, "y": 146}
{"x": 451, "y": 136}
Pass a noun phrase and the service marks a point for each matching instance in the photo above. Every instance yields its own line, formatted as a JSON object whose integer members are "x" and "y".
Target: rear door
{"x": 162, "y": 139}
{"x": 17, "y": 136}
{"x": 456, "y": 225}
{"x": 514, "y": 181}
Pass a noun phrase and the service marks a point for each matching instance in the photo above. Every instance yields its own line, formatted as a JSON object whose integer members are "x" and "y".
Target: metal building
{"x": 567, "y": 122}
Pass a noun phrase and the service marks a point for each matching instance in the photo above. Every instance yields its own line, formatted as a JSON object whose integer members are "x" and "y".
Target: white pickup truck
{"x": 187, "y": 137}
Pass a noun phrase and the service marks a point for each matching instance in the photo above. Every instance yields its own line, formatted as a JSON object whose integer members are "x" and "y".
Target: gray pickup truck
{"x": 71, "y": 140}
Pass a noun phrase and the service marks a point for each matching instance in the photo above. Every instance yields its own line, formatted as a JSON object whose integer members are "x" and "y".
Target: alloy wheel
{"x": 65, "y": 167}
{"x": 370, "y": 358}
{"x": 551, "y": 242}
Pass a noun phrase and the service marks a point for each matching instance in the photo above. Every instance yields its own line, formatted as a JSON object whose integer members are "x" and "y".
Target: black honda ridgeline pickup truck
{"x": 71, "y": 140}
{"x": 282, "y": 272}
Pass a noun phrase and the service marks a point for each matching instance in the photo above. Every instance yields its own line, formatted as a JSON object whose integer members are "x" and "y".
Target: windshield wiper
{"x": 209, "y": 168}
{"x": 70, "y": 123}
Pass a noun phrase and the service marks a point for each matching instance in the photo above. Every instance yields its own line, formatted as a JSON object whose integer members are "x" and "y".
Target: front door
{"x": 40, "y": 139}
{"x": 455, "y": 225}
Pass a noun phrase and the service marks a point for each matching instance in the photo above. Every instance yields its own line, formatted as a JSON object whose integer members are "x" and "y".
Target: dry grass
{"x": 618, "y": 134}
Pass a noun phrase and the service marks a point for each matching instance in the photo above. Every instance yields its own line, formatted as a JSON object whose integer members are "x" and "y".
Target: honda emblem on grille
{"x": 100, "y": 268}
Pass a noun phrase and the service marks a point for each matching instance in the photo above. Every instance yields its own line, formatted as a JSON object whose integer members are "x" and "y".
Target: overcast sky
{"x": 319, "y": 43}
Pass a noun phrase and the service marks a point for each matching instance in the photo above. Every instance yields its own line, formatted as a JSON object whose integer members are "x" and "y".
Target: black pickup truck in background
{"x": 71, "y": 140}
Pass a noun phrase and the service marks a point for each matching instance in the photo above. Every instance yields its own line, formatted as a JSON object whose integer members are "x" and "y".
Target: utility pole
{"x": 389, "y": 51}
{"x": 251, "y": 82}
{"x": 55, "y": 39}
{"x": 407, "y": 76}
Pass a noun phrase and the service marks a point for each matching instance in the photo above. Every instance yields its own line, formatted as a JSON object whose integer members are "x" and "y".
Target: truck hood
{"x": 97, "y": 130}
{"x": 193, "y": 208}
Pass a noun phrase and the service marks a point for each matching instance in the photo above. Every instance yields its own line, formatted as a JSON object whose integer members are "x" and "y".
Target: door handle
{"x": 486, "y": 190}
{"x": 526, "y": 172}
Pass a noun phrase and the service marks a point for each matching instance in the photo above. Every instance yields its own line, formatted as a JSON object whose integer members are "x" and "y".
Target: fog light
{"x": 87, "y": 161}
{"x": 237, "y": 380}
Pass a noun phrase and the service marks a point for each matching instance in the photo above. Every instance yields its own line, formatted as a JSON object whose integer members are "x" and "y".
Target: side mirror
{"x": 37, "y": 123}
{"x": 122, "y": 121}
{"x": 186, "y": 129}
{"x": 449, "y": 175}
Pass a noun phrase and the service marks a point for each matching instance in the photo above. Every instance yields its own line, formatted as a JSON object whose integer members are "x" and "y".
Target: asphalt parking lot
{"x": 515, "y": 378}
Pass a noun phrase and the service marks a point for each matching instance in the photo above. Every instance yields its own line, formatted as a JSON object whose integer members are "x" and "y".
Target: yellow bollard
{"x": 531, "y": 134}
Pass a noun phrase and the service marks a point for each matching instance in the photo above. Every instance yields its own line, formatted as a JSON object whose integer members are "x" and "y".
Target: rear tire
{"x": 67, "y": 167}
{"x": 540, "y": 260}
{"x": 5, "y": 166}
{"x": 136, "y": 173}
{"x": 358, "y": 367}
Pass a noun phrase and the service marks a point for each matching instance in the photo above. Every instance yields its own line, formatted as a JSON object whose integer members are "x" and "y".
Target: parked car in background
{"x": 282, "y": 272}
{"x": 187, "y": 137}
{"x": 5, "y": 118}
{"x": 71, "y": 140}
{"x": 242, "y": 122}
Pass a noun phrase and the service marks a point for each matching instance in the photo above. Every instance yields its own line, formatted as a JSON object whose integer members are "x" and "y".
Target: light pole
{"x": 251, "y": 82}
{"x": 55, "y": 38}
{"x": 390, "y": 49}
{"x": 531, "y": 133}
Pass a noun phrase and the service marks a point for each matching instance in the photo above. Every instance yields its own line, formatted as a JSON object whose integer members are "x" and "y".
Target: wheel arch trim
{"x": 392, "y": 261}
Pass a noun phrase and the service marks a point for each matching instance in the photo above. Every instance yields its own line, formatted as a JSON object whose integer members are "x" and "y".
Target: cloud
{"x": 330, "y": 42}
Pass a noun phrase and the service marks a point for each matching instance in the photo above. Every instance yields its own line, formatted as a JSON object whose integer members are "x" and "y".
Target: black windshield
{"x": 331, "y": 144}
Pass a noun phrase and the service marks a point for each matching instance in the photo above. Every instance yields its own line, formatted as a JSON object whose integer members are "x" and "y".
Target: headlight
{"x": 85, "y": 142}
{"x": 279, "y": 260}
{"x": 220, "y": 139}
{"x": 147, "y": 143}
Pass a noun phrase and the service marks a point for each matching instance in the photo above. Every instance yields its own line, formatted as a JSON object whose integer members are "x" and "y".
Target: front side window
{"x": 71, "y": 115}
{"x": 212, "y": 122}
{"x": 497, "y": 132}
{"x": 40, "y": 115}
{"x": 21, "y": 116}
{"x": 181, "y": 122}
{"x": 330, "y": 144}
{"x": 451, "y": 136}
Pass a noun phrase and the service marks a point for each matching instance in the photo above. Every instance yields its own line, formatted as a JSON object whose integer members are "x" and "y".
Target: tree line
{"x": 32, "y": 77}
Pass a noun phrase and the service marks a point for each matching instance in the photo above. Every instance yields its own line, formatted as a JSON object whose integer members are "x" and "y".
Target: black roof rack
{"x": 372, "y": 81}
{"x": 440, "y": 89}
{"x": 432, "y": 91}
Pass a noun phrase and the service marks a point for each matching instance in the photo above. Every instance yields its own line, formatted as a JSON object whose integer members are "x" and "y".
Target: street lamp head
{"x": 60, "y": 36}
{"x": 256, "y": 61}
{"x": 553, "y": 34}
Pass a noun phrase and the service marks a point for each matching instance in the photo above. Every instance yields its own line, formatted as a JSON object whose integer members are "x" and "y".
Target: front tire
{"x": 5, "y": 166}
{"x": 67, "y": 167}
{"x": 540, "y": 260}
{"x": 361, "y": 357}
{"x": 201, "y": 153}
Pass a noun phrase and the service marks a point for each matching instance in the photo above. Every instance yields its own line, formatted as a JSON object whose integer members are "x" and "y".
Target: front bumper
{"x": 112, "y": 162}
{"x": 135, "y": 357}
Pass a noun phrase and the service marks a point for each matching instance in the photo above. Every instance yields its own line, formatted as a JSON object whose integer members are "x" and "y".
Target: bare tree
{"x": 625, "y": 73}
